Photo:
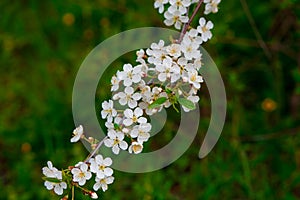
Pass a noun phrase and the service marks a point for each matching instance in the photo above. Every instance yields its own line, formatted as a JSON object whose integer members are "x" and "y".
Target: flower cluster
{"x": 54, "y": 180}
{"x": 79, "y": 174}
{"x": 165, "y": 74}
{"x": 177, "y": 10}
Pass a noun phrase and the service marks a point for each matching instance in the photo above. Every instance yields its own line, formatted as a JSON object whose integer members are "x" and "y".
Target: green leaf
{"x": 168, "y": 91}
{"x": 52, "y": 180}
{"x": 157, "y": 102}
{"x": 187, "y": 103}
{"x": 116, "y": 126}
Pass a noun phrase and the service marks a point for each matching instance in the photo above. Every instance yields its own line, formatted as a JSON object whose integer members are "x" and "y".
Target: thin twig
{"x": 187, "y": 14}
{"x": 190, "y": 20}
{"x": 95, "y": 150}
{"x": 258, "y": 36}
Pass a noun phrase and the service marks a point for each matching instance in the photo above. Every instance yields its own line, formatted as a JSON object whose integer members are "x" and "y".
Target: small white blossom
{"x": 164, "y": 69}
{"x": 160, "y": 5}
{"x": 211, "y": 6}
{"x": 174, "y": 50}
{"x": 135, "y": 148}
{"x": 140, "y": 57}
{"x": 102, "y": 183}
{"x": 179, "y": 5}
{"x": 194, "y": 79}
{"x": 115, "y": 83}
{"x": 146, "y": 93}
{"x": 81, "y": 174}
{"x": 108, "y": 110}
{"x": 176, "y": 18}
{"x": 128, "y": 97}
{"x": 51, "y": 171}
{"x": 134, "y": 116}
{"x": 129, "y": 74}
{"x": 115, "y": 140}
{"x": 190, "y": 50}
{"x": 141, "y": 132}
{"x": 156, "y": 52}
{"x": 193, "y": 36}
{"x": 204, "y": 29}
{"x": 78, "y": 134}
{"x": 58, "y": 187}
{"x": 100, "y": 166}
{"x": 198, "y": 62}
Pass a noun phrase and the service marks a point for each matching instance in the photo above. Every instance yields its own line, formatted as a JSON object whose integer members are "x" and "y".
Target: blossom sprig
{"x": 177, "y": 11}
{"x": 165, "y": 75}
{"x": 78, "y": 175}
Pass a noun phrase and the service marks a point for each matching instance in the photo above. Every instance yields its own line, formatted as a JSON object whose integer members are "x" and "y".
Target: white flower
{"x": 108, "y": 110}
{"x": 78, "y": 133}
{"x": 146, "y": 92}
{"x": 198, "y": 62}
{"x": 140, "y": 57}
{"x": 100, "y": 166}
{"x": 211, "y": 6}
{"x": 141, "y": 132}
{"x": 180, "y": 5}
{"x": 204, "y": 29}
{"x": 58, "y": 187}
{"x": 133, "y": 116}
{"x": 103, "y": 182}
{"x": 160, "y": 5}
{"x": 51, "y": 171}
{"x": 115, "y": 140}
{"x": 176, "y": 18}
{"x": 194, "y": 79}
{"x": 115, "y": 83}
{"x": 81, "y": 174}
{"x": 190, "y": 50}
{"x": 193, "y": 36}
{"x": 156, "y": 52}
{"x": 129, "y": 74}
{"x": 164, "y": 69}
{"x": 135, "y": 148}
{"x": 128, "y": 97}
{"x": 174, "y": 50}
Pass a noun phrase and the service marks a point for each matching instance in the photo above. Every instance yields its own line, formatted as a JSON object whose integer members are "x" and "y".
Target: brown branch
{"x": 186, "y": 26}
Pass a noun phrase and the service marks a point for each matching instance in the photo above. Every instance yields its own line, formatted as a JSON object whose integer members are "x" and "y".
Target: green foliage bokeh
{"x": 258, "y": 155}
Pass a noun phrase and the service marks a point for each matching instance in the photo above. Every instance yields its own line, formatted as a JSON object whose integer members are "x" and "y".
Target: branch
{"x": 186, "y": 26}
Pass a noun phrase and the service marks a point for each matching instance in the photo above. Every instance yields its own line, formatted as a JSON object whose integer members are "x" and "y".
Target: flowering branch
{"x": 95, "y": 150}
{"x": 165, "y": 75}
{"x": 186, "y": 26}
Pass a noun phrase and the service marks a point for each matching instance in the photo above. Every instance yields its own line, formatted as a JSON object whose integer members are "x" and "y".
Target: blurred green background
{"x": 256, "y": 47}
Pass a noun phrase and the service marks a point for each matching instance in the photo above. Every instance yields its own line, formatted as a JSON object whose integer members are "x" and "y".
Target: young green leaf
{"x": 157, "y": 102}
{"x": 116, "y": 126}
{"x": 52, "y": 180}
{"x": 187, "y": 103}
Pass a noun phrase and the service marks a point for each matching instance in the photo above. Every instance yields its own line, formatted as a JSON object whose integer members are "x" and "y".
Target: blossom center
{"x": 193, "y": 78}
{"x": 81, "y": 174}
{"x": 134, "y": 118}
{"x": 116, "y": 141}
{"x": 101, "y": 167}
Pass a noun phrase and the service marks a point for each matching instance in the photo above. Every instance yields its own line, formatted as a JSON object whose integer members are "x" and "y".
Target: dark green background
{"x": 258, "y": 154}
